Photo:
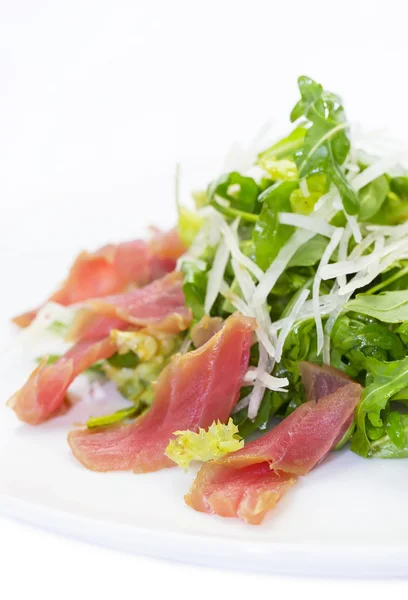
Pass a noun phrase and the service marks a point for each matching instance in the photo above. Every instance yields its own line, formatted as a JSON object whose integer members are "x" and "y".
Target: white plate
{"x": 348, "y": 517}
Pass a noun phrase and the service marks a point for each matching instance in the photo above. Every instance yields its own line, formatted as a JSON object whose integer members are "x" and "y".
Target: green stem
{"x": 233, "y": 212}
{"x": 391, "y": 279}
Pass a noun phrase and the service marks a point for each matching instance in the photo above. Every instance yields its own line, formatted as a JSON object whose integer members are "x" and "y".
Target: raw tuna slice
{"x": 194, "y": 390}
{"x": 113, "y": 268}
{"x": 159, "y": 306}
{"x": 292, "y": 448}
{"x": 43, "y": 394}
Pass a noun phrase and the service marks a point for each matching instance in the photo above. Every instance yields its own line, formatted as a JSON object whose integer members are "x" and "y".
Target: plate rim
{"x": 278, "y": 558}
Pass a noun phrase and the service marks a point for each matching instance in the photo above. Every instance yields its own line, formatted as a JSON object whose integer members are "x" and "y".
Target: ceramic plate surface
{"x": 345, "y": 518}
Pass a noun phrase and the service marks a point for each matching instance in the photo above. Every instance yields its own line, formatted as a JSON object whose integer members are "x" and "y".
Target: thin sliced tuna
{"x": 113, "y": 268}
{"x": 293, "y": 447}
{"x": 159, "y": 306}
{"x": 194, "y": 390}
{"x": 248, "y": 493}
{"x": 43, "y": 395}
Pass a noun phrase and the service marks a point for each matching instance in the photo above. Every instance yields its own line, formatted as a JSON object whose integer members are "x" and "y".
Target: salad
{"x": 267, "y": 329}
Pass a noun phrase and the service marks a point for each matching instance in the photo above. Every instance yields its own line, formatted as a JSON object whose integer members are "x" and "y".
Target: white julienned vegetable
{"x": 309, "y": 223}
{"x": 330, "y": 248}
{"x": 290, "y": 321}
{"x": 385, "y": 244}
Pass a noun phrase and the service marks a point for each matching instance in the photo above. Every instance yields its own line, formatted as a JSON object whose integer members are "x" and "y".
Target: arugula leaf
{"x": 399, "y": 185}
{"x": 372, "y": 197}
{"x": 393, "y": 444}
{"x": 239, "y": 191}
{"x": 387, "y": 379}
{"x": 130, "y": 360}
{"x": 269, "y": 235}
{"x": 373, "y": 339}
{"x": 194, "y": 288}
{"x": 286, "y": 147}
{"x": 389, "y": 307}
{"x": 317, "y": 186}
{"x": 309, "y": 254}
{"x": 326, "y": 144}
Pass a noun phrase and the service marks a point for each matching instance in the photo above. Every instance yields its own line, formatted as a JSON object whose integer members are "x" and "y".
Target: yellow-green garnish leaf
{"x": 203, "y": 446}
{"x": 189, "y": 224}
{"x": 283, "y": 169}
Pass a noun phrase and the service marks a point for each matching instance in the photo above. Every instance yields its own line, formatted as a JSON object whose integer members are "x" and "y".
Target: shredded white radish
{"x": 250, "y": 375}
{"x": 335, "y": 313}
{"x": 331, "y": 246}
{"x": 343, "y": 252}
{"x": 375, "y": 170}
{"x": 354, "y": 266}
{"x": 222, "y": 201}
{"x": 323, "y": 210}
{"x": 272, "y": 383}
{"x": 237, "y": 254}
{"x": 310, "y": 223}
{"x": 261, "y": 312}
{"x": 200, "y": 264}
{"x": 271, "y": 276}
{"x": 290, "y": 321}
{"x": 375, "y": 269}
{"x": 235, "y": 300}
{"x": 216, "y": 275}
{"x": 258, "y": 391}
{"x": 326, "y": 304}
{"x": 352, "y": 221}
{"x": 243, "y": 403}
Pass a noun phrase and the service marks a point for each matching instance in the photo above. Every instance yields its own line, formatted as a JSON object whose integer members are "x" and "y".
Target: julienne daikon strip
{"x": 343, "y": 252}
{"x": 244, "y": 309}
{"x": 358, "y": 282}
{"x": 271, "y": 382}
{"x": 333, "y": 316}
{"x": 269, "y": 279}
{"x": 235, "y": 300}
{"x": 261, "y": 313}
{"x": 375, "y": 170}
{"x": 309, "y": 223}
{"x": 216, "y": 275}
{"x": 355, "y": 229}
{"x": 354, "y": 266}
{"x": 236, "y": 252}
{"x": 255, "y": 397}
{"x": 324, "y": 209}
{"x": 326, "y": 304}
{"x": 330, "y": 248}
{"x": 290, "y": 321}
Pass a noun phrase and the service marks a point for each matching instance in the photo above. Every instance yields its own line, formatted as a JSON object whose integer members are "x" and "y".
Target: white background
{"x": 98, "y": 101}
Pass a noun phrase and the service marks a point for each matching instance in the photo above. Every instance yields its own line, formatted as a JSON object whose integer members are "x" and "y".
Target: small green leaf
{"x": 389, "y": 307}
{"x": 269, "y": 235}
{"x": 194, "y": 288}
{"x": 239, "y": 191}
{"x": 130, "y": 360}
{"x": 50, "y": 358}
{"x": 372, "y": 197}
{"x": 58, "y": 327}
{"x": 117, "y": 417}
{"x": 286, "y": 147}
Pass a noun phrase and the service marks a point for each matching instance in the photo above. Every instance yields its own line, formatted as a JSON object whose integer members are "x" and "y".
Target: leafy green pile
{"x": 369, "y": 340}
